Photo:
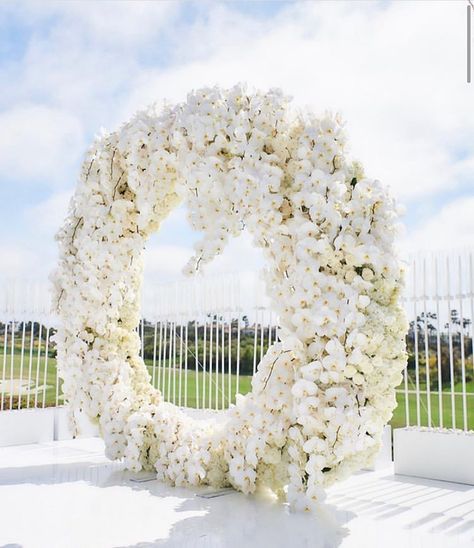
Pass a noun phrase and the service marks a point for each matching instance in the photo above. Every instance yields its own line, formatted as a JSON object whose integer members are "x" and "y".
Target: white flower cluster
{"x": 323, "y": 393}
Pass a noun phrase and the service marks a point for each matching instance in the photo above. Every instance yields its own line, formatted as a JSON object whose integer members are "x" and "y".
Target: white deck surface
{"x": 67, "y": 495}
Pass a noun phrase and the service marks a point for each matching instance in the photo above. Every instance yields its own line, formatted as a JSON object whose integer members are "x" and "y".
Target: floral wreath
{"x": 323, "y": 393}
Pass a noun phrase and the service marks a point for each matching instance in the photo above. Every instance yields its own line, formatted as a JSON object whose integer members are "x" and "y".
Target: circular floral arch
{"x": 324, "y": 391}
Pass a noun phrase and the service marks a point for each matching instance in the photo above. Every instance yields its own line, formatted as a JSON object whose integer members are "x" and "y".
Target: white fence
{"x": 438, "y": 387}
{"x": 202, "y": 341}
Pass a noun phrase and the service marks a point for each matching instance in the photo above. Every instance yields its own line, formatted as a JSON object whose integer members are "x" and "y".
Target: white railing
{"x": 438, "y": 386}
{"x": 202, "y": 340}
{"x": 28, "y": 375}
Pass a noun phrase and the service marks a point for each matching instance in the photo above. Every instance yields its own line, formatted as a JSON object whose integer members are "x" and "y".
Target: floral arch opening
{"x": 324, "y": 391}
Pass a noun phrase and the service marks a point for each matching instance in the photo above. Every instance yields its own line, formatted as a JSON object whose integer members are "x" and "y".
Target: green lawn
{"x": 176, "y": 383}
{"x": 43, "y": 376}
{"x": 181, "y": 383}
{"x": 399, "y": 415}
{"x": 446, "y": 385}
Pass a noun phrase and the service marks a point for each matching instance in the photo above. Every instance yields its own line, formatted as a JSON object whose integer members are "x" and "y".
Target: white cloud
{"x": 39, "y": 143}
{"x": 17, "y": 262}
{"x": 238, "y": 267}
{"x": 75, "y": 66}
{"x": 118, "y": 24}
{"x": 165, "y": 262}
{"x": 399, "y": 81}
{"x": 239, "y": 255}
{"x": 452, "y": 227}
{"x": 48, "y": 215}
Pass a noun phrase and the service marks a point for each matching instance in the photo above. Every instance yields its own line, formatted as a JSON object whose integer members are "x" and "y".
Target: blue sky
{"x": 69, "y": 68}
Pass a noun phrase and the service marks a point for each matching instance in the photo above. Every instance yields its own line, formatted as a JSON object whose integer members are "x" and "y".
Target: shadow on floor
{"x": 233, "y": 520}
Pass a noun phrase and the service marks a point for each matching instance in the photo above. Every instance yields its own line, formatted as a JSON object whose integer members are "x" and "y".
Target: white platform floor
{"x": 67, "y": 495}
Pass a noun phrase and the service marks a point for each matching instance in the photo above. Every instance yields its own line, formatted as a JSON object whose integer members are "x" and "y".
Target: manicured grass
{"x": 43, "y": 374}
{"x": 176, "y": 382}
{"x": 399, "y": 415}
{"x": 446, "y": 385}
{"x": 188, "y": 389}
